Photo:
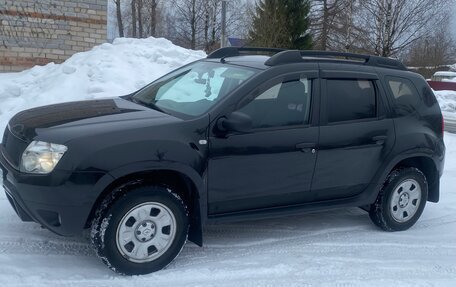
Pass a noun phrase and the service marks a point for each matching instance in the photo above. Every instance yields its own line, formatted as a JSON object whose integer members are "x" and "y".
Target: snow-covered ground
{"x": 334, "y": 248}
{"x": 447, "y": 101}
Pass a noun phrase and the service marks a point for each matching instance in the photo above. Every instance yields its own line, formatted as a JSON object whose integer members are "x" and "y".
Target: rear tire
{"x": 401, "y": 201}
{"x": 141, "y": 231}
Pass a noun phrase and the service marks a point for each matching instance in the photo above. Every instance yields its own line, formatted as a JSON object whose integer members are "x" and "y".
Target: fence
{"x": 442, "y": 86}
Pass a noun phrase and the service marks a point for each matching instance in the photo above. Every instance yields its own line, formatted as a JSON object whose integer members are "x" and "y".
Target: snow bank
{"x": 447, "y": 101}
{"x": 105, "y": 71}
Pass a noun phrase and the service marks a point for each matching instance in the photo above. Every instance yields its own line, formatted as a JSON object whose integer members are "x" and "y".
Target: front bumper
{"x": 61, "y": 201}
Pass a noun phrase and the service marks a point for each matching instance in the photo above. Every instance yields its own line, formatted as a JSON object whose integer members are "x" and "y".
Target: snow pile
{"x": 107, "y": 70}
{"x": 447, "y": 101}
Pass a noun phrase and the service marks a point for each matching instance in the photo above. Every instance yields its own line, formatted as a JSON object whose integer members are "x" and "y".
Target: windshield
{"x": 193, "y": 89}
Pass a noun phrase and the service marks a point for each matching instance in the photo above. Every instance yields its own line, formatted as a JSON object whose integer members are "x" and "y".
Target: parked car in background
{"x": 443, "y": 81}
{"x": 444, "y": 76}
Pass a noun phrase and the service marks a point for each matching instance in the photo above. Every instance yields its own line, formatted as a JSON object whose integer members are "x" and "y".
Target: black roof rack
{"x": 282, "y": 56}
{"x": 238, "y": 51}
{"x": 291, "y": 56}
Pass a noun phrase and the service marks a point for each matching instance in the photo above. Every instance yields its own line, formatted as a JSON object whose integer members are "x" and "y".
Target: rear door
{"x": 355, "y": 134}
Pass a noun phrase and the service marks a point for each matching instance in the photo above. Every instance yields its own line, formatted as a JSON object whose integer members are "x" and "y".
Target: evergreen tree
{"x": 298, "y": 23}
{"x": 281, "y": 24}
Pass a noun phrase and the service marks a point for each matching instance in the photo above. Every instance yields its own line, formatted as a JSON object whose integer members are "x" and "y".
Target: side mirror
{"x": 236, "y": 121}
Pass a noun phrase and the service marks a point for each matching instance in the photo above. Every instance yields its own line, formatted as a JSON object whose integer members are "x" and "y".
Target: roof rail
{"x": 237, "y": 51}
{"x": 293, "y": 56}
{"x": 282, "y": 56}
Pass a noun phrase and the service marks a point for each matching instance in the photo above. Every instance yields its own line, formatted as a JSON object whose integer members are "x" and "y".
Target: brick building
{"x": 38, "y": 32}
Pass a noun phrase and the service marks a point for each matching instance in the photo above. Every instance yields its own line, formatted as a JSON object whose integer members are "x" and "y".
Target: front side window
{"x": 282, "y": 105}
{"x": 194, "y": 89}
{"x": 349, "y": 100}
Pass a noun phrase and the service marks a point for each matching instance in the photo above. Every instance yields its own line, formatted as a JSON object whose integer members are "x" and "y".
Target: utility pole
{"x": 223, "y": 36}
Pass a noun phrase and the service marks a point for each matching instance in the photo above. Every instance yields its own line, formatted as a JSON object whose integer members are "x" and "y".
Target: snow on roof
{"x": 445, "y": 74}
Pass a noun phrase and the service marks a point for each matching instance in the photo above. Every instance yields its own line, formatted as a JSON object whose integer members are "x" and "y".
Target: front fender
{"x": 159, "y": 165}
{"x": 199, "y": 208}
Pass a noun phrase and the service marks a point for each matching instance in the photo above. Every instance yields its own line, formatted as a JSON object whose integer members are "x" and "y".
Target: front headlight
{"x": 41, "y": 157}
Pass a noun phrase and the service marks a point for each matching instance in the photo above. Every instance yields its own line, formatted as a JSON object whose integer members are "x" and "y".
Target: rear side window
{"x": 406, "y": 96}
{"x": 349, "y": 100}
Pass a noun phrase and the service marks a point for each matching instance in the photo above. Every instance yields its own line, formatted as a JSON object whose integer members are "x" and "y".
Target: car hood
{"x": 100, "y": 115}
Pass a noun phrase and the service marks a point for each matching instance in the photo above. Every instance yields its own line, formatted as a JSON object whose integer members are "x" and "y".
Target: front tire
{"x": 401, "y": 202}
{"x": 140, "y": 232}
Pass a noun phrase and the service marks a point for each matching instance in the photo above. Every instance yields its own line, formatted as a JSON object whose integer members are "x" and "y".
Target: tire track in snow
{"x": 336, "y": 243}
{"x": 44, "y": 247}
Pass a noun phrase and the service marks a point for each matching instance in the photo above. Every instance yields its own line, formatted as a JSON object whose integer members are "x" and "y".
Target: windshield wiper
{"x": 149, "y": 105}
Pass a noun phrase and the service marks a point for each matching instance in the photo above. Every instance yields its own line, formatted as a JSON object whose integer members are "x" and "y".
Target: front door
{"x": 273, "y": 164}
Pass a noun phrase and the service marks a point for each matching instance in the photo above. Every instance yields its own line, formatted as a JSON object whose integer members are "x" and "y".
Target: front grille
{"x": 13, "y": 148}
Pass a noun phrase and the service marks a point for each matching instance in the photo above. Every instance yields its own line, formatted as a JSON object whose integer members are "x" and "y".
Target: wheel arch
{"x": 427, "y": 166}
{"x": 189, "y": 187}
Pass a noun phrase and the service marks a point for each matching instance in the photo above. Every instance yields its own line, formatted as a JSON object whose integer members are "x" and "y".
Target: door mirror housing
{"x": 236, "y": 122}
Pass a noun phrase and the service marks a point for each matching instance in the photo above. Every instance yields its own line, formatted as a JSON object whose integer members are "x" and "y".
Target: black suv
{"x": 236, "y": 136}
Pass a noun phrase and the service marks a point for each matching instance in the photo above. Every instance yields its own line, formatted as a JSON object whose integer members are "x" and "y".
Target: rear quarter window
{"x": 406, "y": 98}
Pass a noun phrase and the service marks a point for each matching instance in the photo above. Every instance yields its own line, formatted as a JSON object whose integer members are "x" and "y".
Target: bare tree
{"x": 140, "y": 7}
{"x": 212, "y": 26}
{"x": 388, "y": 27}
{"x": 435, "y": 50}
{"x": 198, "y": 22}
{"x": 189, "y": 17}
{"x": 142, "y": 18}
{"x": 346, "y": 30}
{"x": 120, "y": 25}
{"x": 193, "y": 24}
{"x": 325, "y": 18}
{"x": 134, "y": 20}
{"x": 153, "y": 4}
{"x": 349, "y": 26}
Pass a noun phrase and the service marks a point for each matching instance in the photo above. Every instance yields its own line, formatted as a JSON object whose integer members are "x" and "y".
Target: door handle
{"x": 307, "y": 147}
{"x": 379, "y": 139}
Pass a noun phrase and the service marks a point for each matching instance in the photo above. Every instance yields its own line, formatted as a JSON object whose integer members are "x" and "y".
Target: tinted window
{"x": 349, "y": 100}
{"x": 284, "y": 104}
{"x": 407, "y": 99}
